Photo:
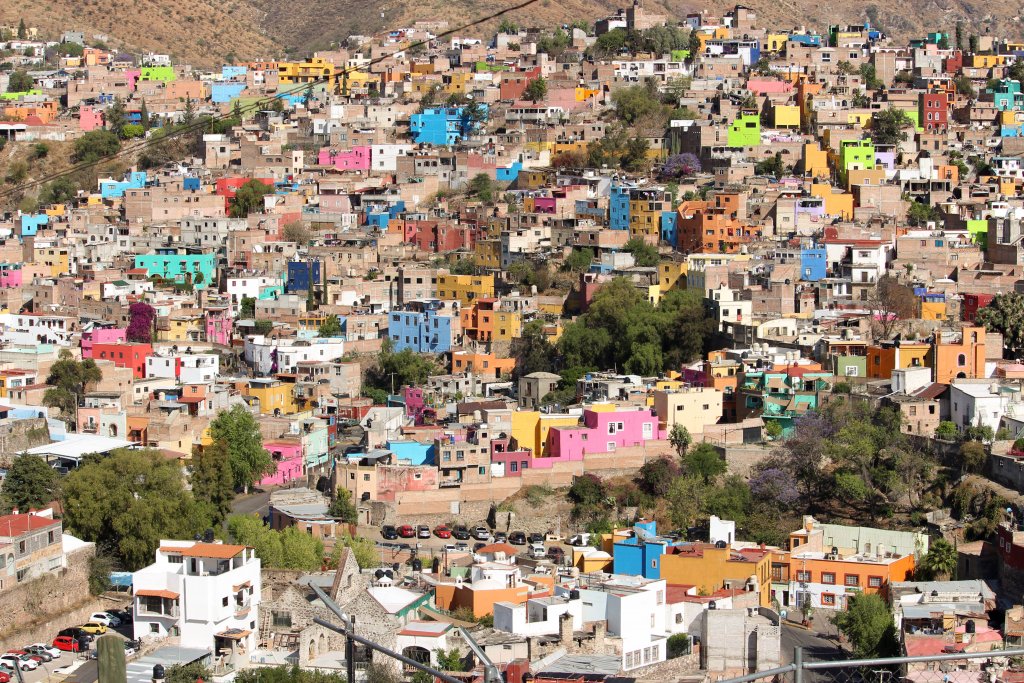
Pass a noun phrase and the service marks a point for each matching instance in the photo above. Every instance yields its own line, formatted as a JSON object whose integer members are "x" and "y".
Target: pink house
{"x": 604, "y": 432}
{"x": 506, "y": 462}
{"x": 218, "y": 326}
{"x": 102, "y": 335}
{"x": 355, "y": 159}
{"x": 89, "y": 119}
{"x": 769, "y": 86}
{"x": 287, "y": 455}
{"x": 11, "y": 275}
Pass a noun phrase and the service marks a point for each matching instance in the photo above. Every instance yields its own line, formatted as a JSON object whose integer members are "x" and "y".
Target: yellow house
{"x": 508, "y": 325}
{"x": 56, "y": 210}
{"x": 15, "y": 379}
{"x": 487, "y": 254}
{"x": 671, "y": 275}
{"x": 183, "y": 328}
{"x": 933, "y": 310}
{"x": 861, "y": 119}
{"x": 837, "y": 203}
{"x": 530, "y": 428}
{"x": 464, "y": 288}
{"x": 775, "y": 42}
{"x": 309, "y": 323}
{"x": 815, "y": 161}
{"x": 644, "y": 217}
{"x": 275, "y": 397}
{"x": 692, "y": 407}
{"x": 584, "y": 94}
{"x": 532, "y": 180}
{"x": 315, "y": 69}
{"x": 54, "y": 258}
{"x": 562, "y": 147}
{"x": 985, "y": 61}
{"x": 456, "y": 84}
{"x": 711, "y": 568}
{"x": 591, "y": 560}
{"x": 786, "y": 116}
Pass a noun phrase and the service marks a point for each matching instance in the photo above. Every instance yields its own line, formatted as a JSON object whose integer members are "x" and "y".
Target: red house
{"x": 972, "y": 303}
{"x": 130, "y": 355}
{"x": 933, "y": 111}
{"x": 228, "y": 186}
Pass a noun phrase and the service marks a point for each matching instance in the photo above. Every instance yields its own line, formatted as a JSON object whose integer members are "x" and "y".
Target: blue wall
{"x": 30, "y": 223}
{"x": 298, "y": 276}
{"x": 813, "y": 264}
{"x": 229, "y": 71}
{"x": 225, "y": 92}
{"x": 111, "y": 189}
{"x": 618, "y": 208}
{"x": 414, "y": 451}
{"x": 423, "y": 332}
{"x": 669, "y": 229}
{"x": 440, "y": 125}
{"x": 510, "y": 174}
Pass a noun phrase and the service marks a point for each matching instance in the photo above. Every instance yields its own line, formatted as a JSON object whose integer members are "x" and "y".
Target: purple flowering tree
{"x": 140, "y": 323}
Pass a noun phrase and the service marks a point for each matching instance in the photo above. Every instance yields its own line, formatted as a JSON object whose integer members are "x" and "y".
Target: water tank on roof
{"x": 158, "y": 672}
{"x": 574, "y": 594}
{"x": 970, "y": 626}
{"x": 721, "y": 544}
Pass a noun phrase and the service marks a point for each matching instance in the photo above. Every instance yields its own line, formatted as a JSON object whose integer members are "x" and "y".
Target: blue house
{"x": 440, "y": 125}
{"x": 638, "y": 556}
{"x": 231, "y": 71}
{"x": 378, "y": 215}
{"x": 221, "y": 91}
{"x": 509, "y": 174}
{"x": 192, "y": 184}
{"x": 415, "y": 452}
{"x": 669, "y": 229}
{"x": 618, "y": 208}
{"x": 813, "y": 264}
{"x": 299, "y": 276}
{"x": 1007, "y": 95}
{"x": 423, "y": 327}
{"x": 174, "y": 264}
{"x": 114, "y": 189}
{"x": 30, "y": 223}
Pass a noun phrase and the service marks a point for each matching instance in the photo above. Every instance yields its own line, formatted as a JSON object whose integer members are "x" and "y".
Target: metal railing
{"x": 960, "y": 667}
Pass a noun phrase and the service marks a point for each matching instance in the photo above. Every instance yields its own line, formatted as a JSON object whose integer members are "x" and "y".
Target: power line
{"x": 205, "y": 122}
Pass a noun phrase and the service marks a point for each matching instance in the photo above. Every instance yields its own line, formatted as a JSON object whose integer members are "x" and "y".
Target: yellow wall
{"x": 465, "y": 288}
{"x": 507, "y": 326}
{"x": 815, "y": 161}
{"x": 280, "y": 396}
{"x": 786, "y": 115}
{"x": 671, "y": 275}
{"x": 836, "y": 203}
{"x": 709, "y": 572}
{"x": 530, "y": 428}
{"x": 933, "y": 310}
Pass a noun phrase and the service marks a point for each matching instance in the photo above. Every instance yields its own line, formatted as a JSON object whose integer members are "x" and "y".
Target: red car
{"x": 442, "y": 531}
{"x": 407, "y": 531}
{"x": 65, "y": 643}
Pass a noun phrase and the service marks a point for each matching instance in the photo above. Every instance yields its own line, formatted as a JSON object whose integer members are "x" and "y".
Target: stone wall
{"x": 19, "y": 435}
{"x": 35, "y": 610}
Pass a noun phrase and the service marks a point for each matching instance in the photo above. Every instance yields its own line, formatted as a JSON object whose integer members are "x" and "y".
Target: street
{"x": 257, "y": 502}
{"x": 815, "y": 647}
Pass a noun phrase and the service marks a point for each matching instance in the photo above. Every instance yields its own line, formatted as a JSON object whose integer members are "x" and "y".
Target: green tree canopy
{"x": 238, "y": 430}
{"x": 940, "y": 562}
{"x": 249, "y": 198}
{"x": 331, "y": 327}
{"x": 536, "y": 90}
{"x": 68, "y": 380}
{"x": 705, "y": 462}
{"x": 212, "y": 480}
{"x": 128, "y": 501}
{"x": 868, "y": 625}
{"x": 644, "y": 254}
{"x": 289, "y": 548}
{"x": 680, "y": 439}
{"x": 20, "y": 81}
{"x": 29, "y": 483}
{"x": 95, "y": 145}
{"x": 887, "y": 126}
{"x": 404, "y": 368}
{"x": 342, "y": 507}
{"x": 1005, "y": 314}
{"x": 483, "y": 187}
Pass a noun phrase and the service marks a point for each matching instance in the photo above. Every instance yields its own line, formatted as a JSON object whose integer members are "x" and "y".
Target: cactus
{"x": 110, "y": 658}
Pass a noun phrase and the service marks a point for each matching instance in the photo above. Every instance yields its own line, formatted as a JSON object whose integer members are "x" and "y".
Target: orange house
{"x": 45, "y": 111}
{"x": 829, "y": 583}
{"x": 481, "y": 363}
{"x": 887, "y": 356}
{"x": 713, "y": 228}
{"x": 711, "y": 568}
{"x": 962, "y": 358}
{"x": 481, "y": 595}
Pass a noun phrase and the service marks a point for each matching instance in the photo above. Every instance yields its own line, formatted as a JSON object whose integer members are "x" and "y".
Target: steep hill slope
{"x": 205, "y": 32}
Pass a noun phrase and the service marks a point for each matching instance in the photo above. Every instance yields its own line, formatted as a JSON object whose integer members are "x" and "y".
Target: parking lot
{"x": 75, "y": 667}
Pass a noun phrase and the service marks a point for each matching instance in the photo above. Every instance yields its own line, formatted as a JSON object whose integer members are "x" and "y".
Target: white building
{"x": 980, "y": 402}
{"x": 194, "y": 368}
{"x": 283, "y": 355}
{"x": 385, "y": 157}
{"x": 36, "y": 329}
{"x": 252, "y": 287}
{"x": 206, "y": 593}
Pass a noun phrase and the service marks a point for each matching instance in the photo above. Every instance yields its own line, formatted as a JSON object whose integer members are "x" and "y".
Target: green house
{"x": 857, "y": 155}
{"x": 179, "y": 267}
{"x": 745, "y": 131}
{"x": 978, "y": 230}
{"x": 157, "y": 73}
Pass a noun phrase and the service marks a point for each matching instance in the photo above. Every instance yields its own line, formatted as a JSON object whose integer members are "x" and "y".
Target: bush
{"x": 95, "y": 145}
{"x": 100, "y": 567}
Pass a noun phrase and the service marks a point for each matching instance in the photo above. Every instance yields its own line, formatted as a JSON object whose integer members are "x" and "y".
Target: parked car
{"x": 105, "y": 619}
{"x": 537, "y": 551}
{"x": 41, "y": 659}
{"x": 23, "y": 662}
{"x": 43, "y": 647}
{"x": 450, "y": 548}
{"x": 478, "y": 545}
{"x": 500, "y": 537}
{"x": 460, "y": 532}
{"x": 423, "y": 531}
{"x": 517, "y": 538}
{"x": 462, "y": 547}
{"x": 131, "y": 647}
{"x": 535, "y": 537}
{"x": 5, "y": 677}
{"x": 556, "y": 554}
{"x": 442, "y": 531}
{"x": 407, "y": 531}
{"x": 94, "y": 627}
{"x": 78, "y": 634}
{"x": 482, "y": 533}
{"x": 388, "y": 532}
{"x": 580, "y": 540}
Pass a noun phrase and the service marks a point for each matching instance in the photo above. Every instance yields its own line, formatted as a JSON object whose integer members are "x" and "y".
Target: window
{"x": 154, "y": 628}
{"x": 851, "y": 580}
{"x": 874, "y": 581}
{"x": 224, "y": 602}
{"x": 283, "y": 619}
{"x": 828, "y": 599}
{"x": 802, "y": 575}
{"x": 366, "y": 477}
{"x": 828, "y": 577}
{"x": 961, "y": 360}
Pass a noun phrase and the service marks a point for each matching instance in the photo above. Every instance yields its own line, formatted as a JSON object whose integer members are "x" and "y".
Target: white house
{"x": 31, "y": 329}
{"x": 980, "y": 402}
{"x": 193, "y": 368}
{"x": 251, "y": 287}
{"x": 206, "y": 593}
{"x": 283, "y": 355}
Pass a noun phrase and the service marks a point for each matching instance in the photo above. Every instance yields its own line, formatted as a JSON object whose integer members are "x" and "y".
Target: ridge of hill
{"x": 207, "y": 32}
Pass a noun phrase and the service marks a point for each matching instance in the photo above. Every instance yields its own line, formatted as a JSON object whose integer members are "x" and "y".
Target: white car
{"x": 107, "y": 620}
{"x": 538, "y": 551}
{"x": 24, "y": 662}
{"x": 48, "y": 649}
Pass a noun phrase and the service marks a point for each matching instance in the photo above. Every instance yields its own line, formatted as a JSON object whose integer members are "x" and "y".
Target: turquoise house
{"x": 782, "y": 395}
{"x": 172, "y": 265}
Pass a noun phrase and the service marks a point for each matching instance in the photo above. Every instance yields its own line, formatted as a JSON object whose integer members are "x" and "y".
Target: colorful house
{"x": 441, "y": 125}
{"x": 783, "y": 393}
{"x": 275, "y": 396}
{"x": 745, "y": 131}
{"x": 603, "y": 430}
{"x": 287, "y": 457}
{"x": 101, "y": 335}
{"x": 124, "y": 355}
{"x": 857, "y": 155}
{"x": 172, "y": 264}
{"x": 464, "y": 288}
{"x": 423, "y": 327}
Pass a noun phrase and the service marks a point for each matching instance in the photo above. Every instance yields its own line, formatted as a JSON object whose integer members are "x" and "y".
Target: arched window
{"x": 961, "y": 360}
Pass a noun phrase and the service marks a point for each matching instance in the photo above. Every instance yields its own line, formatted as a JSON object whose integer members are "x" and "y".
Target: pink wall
{"x": 288, "y": 456}
{"x": 11, "y": 278}
{"x": 218, "y": 328}
{"x": 597, "y": 435}
{"x": 102, "y": 335}
{"x": 89, "y": 119}
{"x": 355, "y": 159}
{"x": 545, "y": 204}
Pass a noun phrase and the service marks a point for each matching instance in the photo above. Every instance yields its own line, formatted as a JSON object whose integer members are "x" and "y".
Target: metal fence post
{"x": 798, "y": 662}
{"x": 350, "y": 651}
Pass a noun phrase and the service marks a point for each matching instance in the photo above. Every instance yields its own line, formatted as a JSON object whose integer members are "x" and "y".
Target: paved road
{"x": 257, "y": 502}
{"x": 815, "y": 647}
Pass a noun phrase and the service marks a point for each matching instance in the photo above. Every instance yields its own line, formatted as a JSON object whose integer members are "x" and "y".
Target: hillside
{"x": 204, "y": 32}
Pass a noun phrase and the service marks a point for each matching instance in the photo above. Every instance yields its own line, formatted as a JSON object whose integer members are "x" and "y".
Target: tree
{"x": 686, "y": 501}
{"x": 579, "y": 260}
{"x": 536, "y": 90}
{"x": 772, "y": 166}
{"x": 634, "y": 158}
{"x": 30, "y": 483}
{"x": 964, "y": 85}
{"x": 22, "y": 30}
{"x": 212, "y": 480}
{"x": 972, "y": 456}
{"x": 289, "y": 548}
{"x": 238, "y": 429}
{"x": 331, "y": 327}
{"x": 644, "y": 254}
{"x": 296, "y": 232}
{"x": 570, "y": 159}
{"x": 681, "y": 165}
{"x": 947, "y": 431}
{"x": 943, "y": 43}
{"x": 773, "y": 429}
{"x": 342, "y": 507}
{"x": 680, "y": 439}
{"x": 482, "y": 187}
{"x": 68, "y": 380}
{"x": 247, "y": 308}
{"x": 921, "y": 214}
{"x": 450, "y": 660}
{"x": 587, "y": 495}
{"x": 973, "y": 44}
{"x": 366, "y": 553}
{"x": 655, "y": 476}
{"x": 940, "y": 562}
{"x": 532, "y": 351}
{"x": 116, "y": 118}
{"x": 141, "y": 317}
{"x": 100, "y": 567}
{"x": 95, "y": 145}
{"x": 128, "y": 501}
{"x": 868, "y": 625}
{"x": 704, "y": 462}
{"x": 20, "y": 81}
{"x": 132, "y": 130}
{"x": 249, "y": 198}
{"x": 891, "y": 303}
{"x": 307, "y": 96}
{"x": 144, "y": 116}
{"x": 395, "y": 370}
{"x": 887, "y": 126}
{"x": 1005, "y": 314}
{"x": 508, "y": 26}
{"x": 637, "y": 102}
{"x": 959, "y": 35}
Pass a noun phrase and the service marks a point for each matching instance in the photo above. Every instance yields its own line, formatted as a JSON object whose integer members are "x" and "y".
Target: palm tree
{"x": 941, "y": 560}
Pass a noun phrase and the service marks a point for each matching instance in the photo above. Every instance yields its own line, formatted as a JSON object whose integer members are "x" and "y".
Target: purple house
{"x": 102, "y": 335}
{"x": 604, "y": 432}
{"x": 287, "y": 456}
{"x": 355, "y": 159}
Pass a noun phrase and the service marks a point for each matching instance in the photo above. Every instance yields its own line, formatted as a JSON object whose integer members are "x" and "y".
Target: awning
{"x": 232, "y": 634}
{"x": 146, "y": 593}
